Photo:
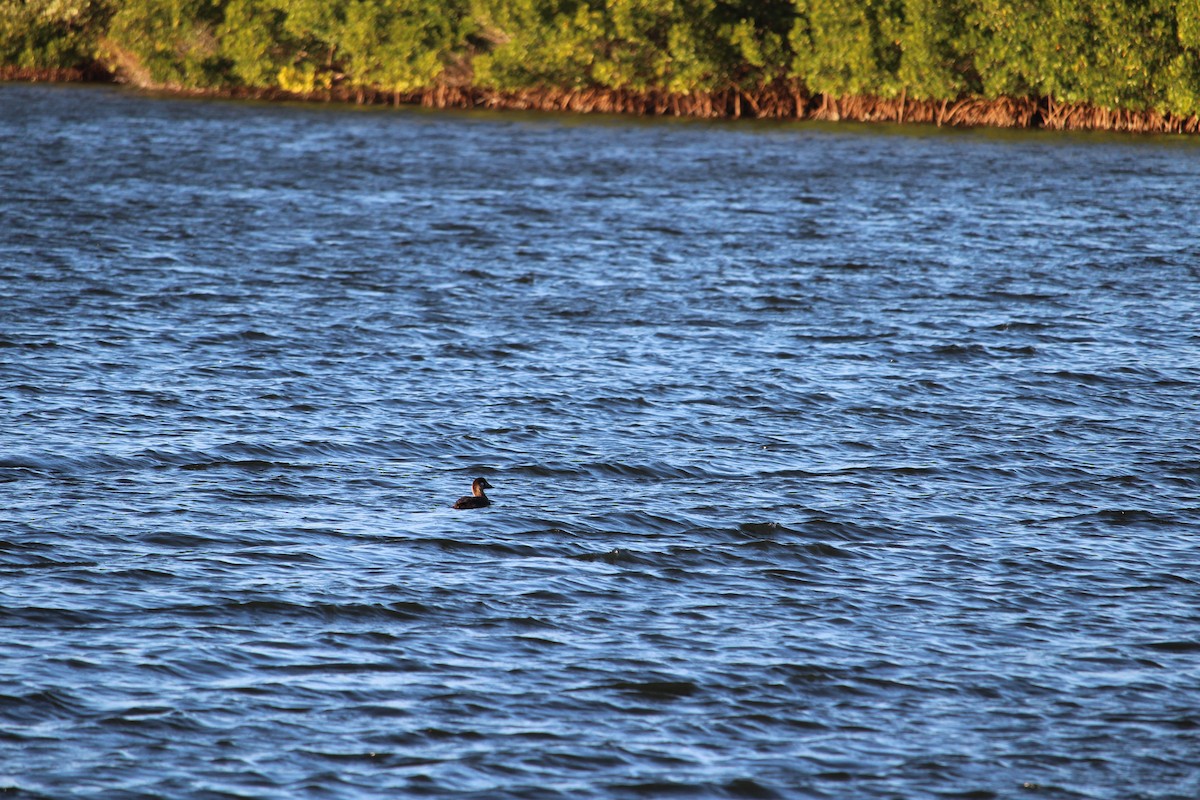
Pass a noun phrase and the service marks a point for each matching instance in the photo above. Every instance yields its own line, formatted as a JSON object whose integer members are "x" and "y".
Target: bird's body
{"x": 476, "y": 499}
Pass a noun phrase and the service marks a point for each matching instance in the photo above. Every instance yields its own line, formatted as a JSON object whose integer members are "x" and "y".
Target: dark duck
{"x": 476, "y": 499}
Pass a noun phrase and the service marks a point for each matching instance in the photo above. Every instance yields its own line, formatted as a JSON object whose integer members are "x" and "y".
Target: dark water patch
{"x": 1174, "y": 647}
{"x": 178, "y": 540}
{"x": 50, "y": 617}
{"x": 41, "y": 706}
{"x": 611, "y": 470}
{"x": 615, "y": 557}
{"x": 657, "y": 789}
{"x": 650, "y": 689}
{"x": 249, "y": 465}
{"x": 35, "y": 562}
{"x": 236, "y": 612}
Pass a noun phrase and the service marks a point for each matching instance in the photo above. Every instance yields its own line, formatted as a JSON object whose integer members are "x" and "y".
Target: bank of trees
{"x": 1141, "y": 55}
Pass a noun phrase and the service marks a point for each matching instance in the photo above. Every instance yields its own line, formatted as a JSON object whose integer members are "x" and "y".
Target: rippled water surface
{"x": 829, "y": 462}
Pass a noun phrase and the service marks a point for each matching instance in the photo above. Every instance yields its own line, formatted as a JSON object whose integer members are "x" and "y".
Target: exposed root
{"x": 783, "y": 101}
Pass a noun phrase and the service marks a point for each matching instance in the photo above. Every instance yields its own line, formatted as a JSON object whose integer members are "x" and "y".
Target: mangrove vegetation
{"x": 1120, "y": 64}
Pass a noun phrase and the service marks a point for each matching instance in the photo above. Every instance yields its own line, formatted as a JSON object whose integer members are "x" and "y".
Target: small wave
{"x": 779, "y": 303}
{"x": 40, "y": 706}
{"x": 829, "y": 551}
{"x": 855, "y": 266}
{"x": 659, "y": 788}
{"x": 50, "y": 618}
{"x": 148, "y": 722}
{"x": 1179, "y": 646}
{"x": 1021, "y": 325}
{"x": 1084, "y": 378}
{"x": 40, "y": 562}
{"x": 236, "y": 456}
{"x": 1118, "y": 517}
{"x": 257, "y": 611}
{"x": 656, "y": 689}
{"x": 666, "y": 230}
{"x": 494, "y": 548}
{"x": 759, "y": 529}
{"x": 961, "y": 352}
{"x": 616, "y": 557}
{"x": 457, "y": 227}
{"x": 245, "y": 335}
{"x": 659, "y": 470}
{"x": 1136, "y": 516}
{"x": 249, "y": 465}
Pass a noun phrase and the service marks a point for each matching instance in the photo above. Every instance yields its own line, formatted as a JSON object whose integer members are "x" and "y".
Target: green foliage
{"x": 999, "y": 40}
{"x": 537, "y": 43}
{"x": 1179, "y": 83}
{"x": 252, "y": 42}
{"x": 751, "y": 41}
{"x": 848, "y": 48}
{"x": 299, "y": 45}
{"x": 933, "y": 40}
{"x": 1136, "y": 54}
{"x": 676, "y": 45}
{"x": 49, "y": 34}
{"x": 1097, "y": 51}
{"x": 1109, "y": 53}
{"x": 1187, "y": 23}
{"x": 167, "y": 42}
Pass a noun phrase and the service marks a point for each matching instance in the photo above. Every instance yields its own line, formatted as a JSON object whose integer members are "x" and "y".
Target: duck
{"x": 476, "y": 499}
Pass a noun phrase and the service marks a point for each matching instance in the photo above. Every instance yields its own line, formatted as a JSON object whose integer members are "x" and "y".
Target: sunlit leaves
{"x": 1135, "y": 54}
{"x": 844, "y": 48}
{"x": 170, "y": 42}
{"x": 50, "y": 33}
{"x": 934, "y": 43}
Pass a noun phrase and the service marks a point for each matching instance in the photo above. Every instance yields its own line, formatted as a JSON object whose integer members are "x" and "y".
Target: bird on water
{"x": 476, "y": 499}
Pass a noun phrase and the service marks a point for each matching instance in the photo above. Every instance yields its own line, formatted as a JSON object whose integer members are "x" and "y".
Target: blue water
{"x": 829, "y": 462}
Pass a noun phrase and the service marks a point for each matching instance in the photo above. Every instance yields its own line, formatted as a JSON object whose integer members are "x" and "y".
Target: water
{"x": 829, "y": 461}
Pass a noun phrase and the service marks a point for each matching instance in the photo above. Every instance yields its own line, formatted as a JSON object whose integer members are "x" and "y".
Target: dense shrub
{"x": 1115, "y": 54}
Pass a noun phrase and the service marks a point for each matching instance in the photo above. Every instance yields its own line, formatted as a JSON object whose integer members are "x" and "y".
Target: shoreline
{"x": 782, "y": 102}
